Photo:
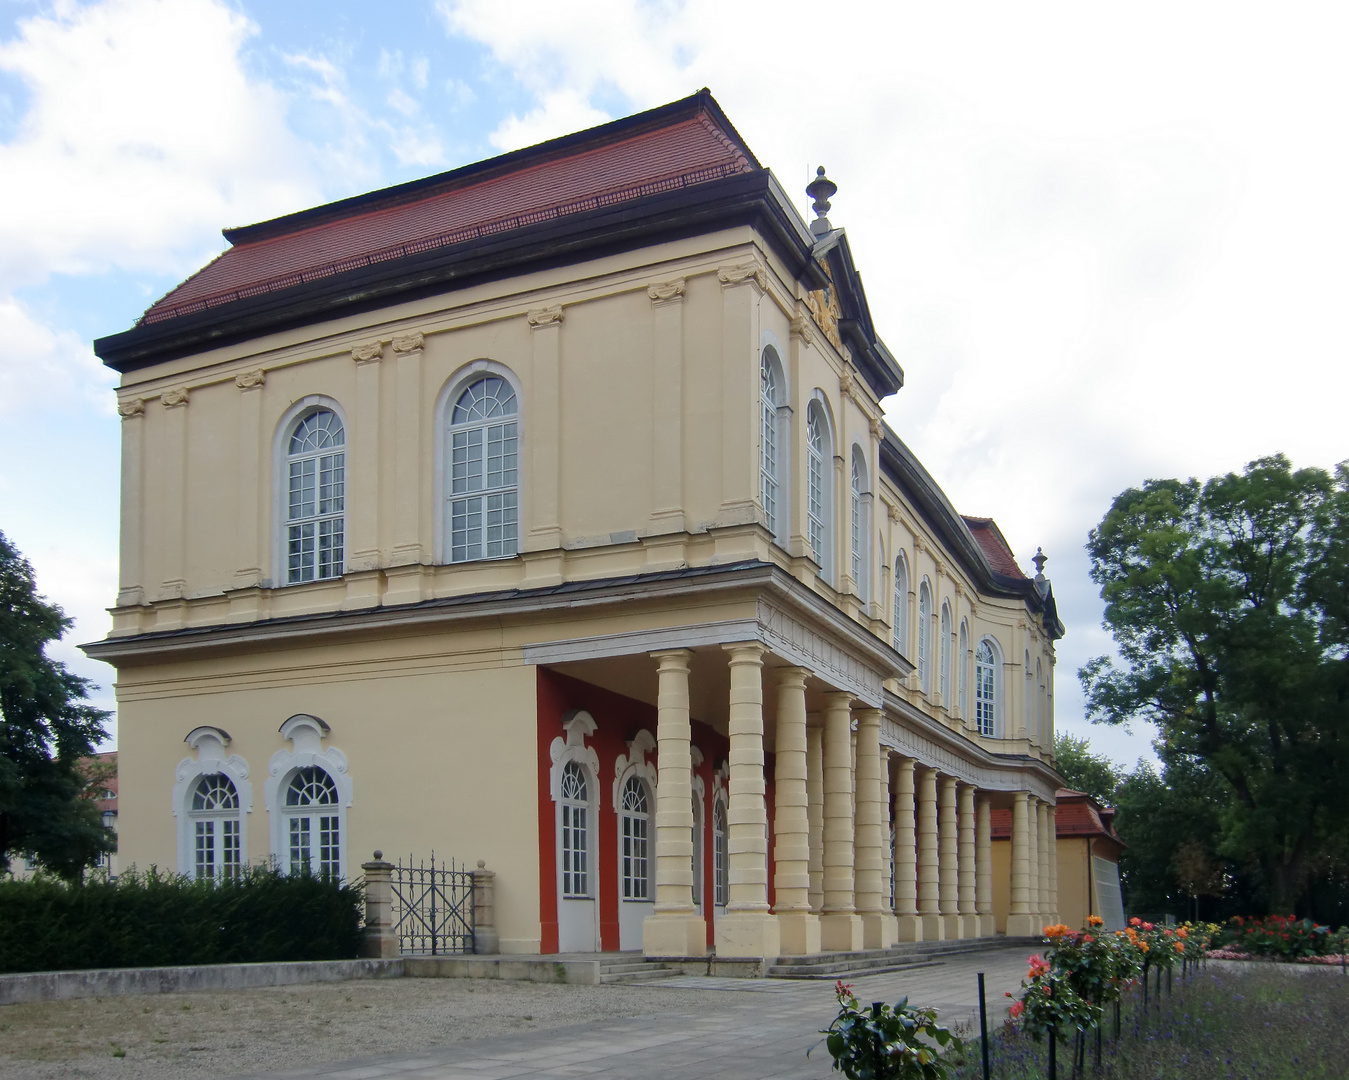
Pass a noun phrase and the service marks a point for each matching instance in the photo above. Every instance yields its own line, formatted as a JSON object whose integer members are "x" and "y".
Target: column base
{"x": 799, "y": 933}
{"x": 748, "y": 935}
{"x": 841, "y": 932}
{"x": 910, "y": 928}
{"x": 879, "y": 930}
{"x": 674, "y": 935}
{"x": 934, "y": 927}
{"x": 988, "y": 926}
{"x": 955, "y": 927}
{"x": 1023, "y": 926}
{"x": 969, "y": 926}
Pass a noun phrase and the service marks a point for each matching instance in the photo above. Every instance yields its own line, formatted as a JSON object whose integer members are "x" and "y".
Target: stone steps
{"x": 632, "y": 970}
{"x": 910, "y": 955}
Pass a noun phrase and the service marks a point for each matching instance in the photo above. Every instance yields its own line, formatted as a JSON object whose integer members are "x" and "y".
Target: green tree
{"x": 1227, "y": 602}
{"x": 1082, "y": 770}
{"x": 46, "y": 729}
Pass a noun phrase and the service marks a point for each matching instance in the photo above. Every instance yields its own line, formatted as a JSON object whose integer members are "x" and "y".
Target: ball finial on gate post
{"x": 379, "y": 855}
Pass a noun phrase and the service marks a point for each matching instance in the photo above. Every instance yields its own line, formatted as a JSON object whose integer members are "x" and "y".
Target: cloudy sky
{"x": 1107, "y": 242}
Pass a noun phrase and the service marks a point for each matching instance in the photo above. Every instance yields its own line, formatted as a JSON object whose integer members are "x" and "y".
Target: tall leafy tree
{"x": 46, "y": 730}
{"x": 1084, "y": 770}
{"x": 1229, "y": 605}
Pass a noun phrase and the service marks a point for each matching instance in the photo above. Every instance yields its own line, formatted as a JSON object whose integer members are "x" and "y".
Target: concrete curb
{"x": 108, "y": 982}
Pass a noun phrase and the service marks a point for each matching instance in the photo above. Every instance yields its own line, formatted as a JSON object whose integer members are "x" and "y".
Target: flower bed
{"x": 1281, "y": 938}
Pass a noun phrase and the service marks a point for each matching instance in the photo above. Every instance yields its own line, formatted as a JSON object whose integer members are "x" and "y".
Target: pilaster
{"x": 131, "y": 587}
{"x": 741, "y": 288}
{"x": 407, "y": 547}
{"x": 174, "y": 535}
{"x": 667, "y": 412}
{"x": 363, "y": 461}
{"x": 542, "y": 511}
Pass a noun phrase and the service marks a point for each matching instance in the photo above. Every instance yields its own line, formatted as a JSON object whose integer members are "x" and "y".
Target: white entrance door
{"x": 634, "y": 864}
{"x": 577, "y": 914}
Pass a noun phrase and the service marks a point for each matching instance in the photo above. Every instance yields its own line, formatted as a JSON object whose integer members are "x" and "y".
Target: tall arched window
{"x": 312, "y": 823}
{"x": 315, "y": 498}
{"x": 861, "y": 525}
{"x": 1031, "y": 732}
{"x": 925, "y": 637}
{"x": 483, "y": 504}
{"x": 985, "y": 689}
{"x": 1040, "y": 725}
{"x": 720, "y": 854}
{"x": 963, "y": 666}
{"x": 858, "y": 527}
{"x": 819, "y": 500}
{"x": 636, "y": 814}
{"x": 946, "y": 631}
{"x": 215, "y": 827}
{"x": 575, "y": 803}
{"x": 768, "y": 440}
{"x": 901, "y": 615}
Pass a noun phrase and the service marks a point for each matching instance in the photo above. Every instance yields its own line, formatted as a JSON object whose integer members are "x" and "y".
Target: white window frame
{"x": 209, "y": 744}
{"x": 320, "y": 820}
{"x": 1030, "y": 719}
{"x": 306, "y": 735}
{"x": 634, "y": 765}
{"x": 450, "y": 393}
{"x": 944, "y": 670}
{"x": 774, "y": 441}
{"x": 212, "y": 829}
{"x": 636, "y": 840}
{"x": 291, "y": 419}
{"x": 570, "y": 747}
{"x": 820, "y": 499}
{"x": 989, "y": 724}
{"x": 901, "y": 605}
{"x": 570, "y": 808}
{"x": 925, "y": 636}
{"x": 721, "y": 888}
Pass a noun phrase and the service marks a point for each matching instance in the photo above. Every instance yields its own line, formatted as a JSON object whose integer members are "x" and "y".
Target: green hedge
{"x": 159, "y": 920}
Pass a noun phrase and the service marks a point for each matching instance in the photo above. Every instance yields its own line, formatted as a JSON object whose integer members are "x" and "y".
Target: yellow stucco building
{"x": 543, "y": 512}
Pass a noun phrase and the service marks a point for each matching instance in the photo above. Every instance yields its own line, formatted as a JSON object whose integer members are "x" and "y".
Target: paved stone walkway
{"x": 750, "y": 1029}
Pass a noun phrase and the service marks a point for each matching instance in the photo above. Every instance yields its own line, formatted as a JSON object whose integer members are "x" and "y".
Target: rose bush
{"x": 887, "y": 1043}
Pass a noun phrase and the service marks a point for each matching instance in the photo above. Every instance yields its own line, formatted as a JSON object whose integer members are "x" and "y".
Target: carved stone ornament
{"x": 406, "y": 343}
{"x": 875, "y": 428}
{"x": 664, "y": 291}
{"x": 549, "y": 316}
{"x": 846, "y": 383}
{"x": 892, "y": 511}
{"x": 736, "y": 275}
{"x": 250, "y": 380}
{"x": 132, "y": 407}
{"x": 171, "y": 399}
{"x": 803, "y": 328}
{"x": 918, "y": 545}
{"x": 370, "y": 352}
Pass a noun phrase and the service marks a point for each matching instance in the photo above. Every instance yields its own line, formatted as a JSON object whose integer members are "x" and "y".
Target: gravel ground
{"x": 203, "y": 1036}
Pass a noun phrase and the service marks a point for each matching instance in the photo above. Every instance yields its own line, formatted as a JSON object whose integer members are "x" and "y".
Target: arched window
{"x": 698, "y": 898}
{"x": 575, "y": 803}
{"x": 946, "y": 631}
{"x": 315, "y": 498}
{"x": 482, "y": 508}
{"x": 963, "y": 666}
{"x": 215, "y": 827}
{"x": 636, "y": 815}
{"x": 720, "y": 854}
{"x": 861, "y": 525}
{"x": 1030, "y": 721}
{"x": 768, "y": 441}
{"x": 901, "y": 615}
{"x": 819, "y": 482}
{"x": 925, "y": 637}
{"x": 1040, "y": 725}
{"x": 985, "y": 689}
{"x": 312, "y": 823}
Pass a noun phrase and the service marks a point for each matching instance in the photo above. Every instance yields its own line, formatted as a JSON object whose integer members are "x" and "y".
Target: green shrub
{"x": 164, "y": 920}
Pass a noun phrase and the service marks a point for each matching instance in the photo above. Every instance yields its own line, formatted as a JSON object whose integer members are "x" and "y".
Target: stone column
{"x": 929, "y": 894}
{"x": 873, "y": 888}
{"x": 840, "y": 926}
{"x": 983, "y": 866}
{"x": 887, "y": 838}
{"x": 815, "y": 807}
{"x": 674, "y": 927}
{"x": 1042, "y": 877}
{"x": 906, "y": 856}
{"x": 747, "y": 930}
{"x": 799, "y": 930}
{"x": 1033, "y": 863}
{"x": 949, "y": 856}
{"x": 969, "y": 919}
{"x": 1053, "y": 864}
{"x": 380, "y": 940}
{"x": 1020, "y": 921}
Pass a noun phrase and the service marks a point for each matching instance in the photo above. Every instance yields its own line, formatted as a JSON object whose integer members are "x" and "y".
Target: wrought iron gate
{"x": 432, "y": 907}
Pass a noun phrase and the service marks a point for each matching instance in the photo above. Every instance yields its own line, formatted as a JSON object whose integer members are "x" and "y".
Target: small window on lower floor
{"x": 215, "y": 828}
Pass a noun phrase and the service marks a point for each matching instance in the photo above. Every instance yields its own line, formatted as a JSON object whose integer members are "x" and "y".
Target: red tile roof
{"x": 994, "y": 544}
{"x": 576, "y": 176}
{"x": 109, "y": 786}
{"x": 1076, "y": 815}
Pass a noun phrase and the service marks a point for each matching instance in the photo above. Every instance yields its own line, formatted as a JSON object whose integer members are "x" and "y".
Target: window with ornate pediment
{"x": 574, "y": 804}
{"x": 313, "y": 825}
{"x": 636, "y": 828}
{"x": 216, "y": 827}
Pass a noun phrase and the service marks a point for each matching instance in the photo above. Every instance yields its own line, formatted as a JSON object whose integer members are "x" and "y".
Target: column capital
{"x": 839, "y": 698}
{"x": 673, "y": 659}
{"x": 792, "y": 676}
{"x": 746, "y": 652}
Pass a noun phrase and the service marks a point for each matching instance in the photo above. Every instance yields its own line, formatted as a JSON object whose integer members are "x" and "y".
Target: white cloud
{"x": 1103, "y": 248}
{"x": 143, "y": 134}
{"x": 402, "y": 103}
{"x": 47, "y": 369}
